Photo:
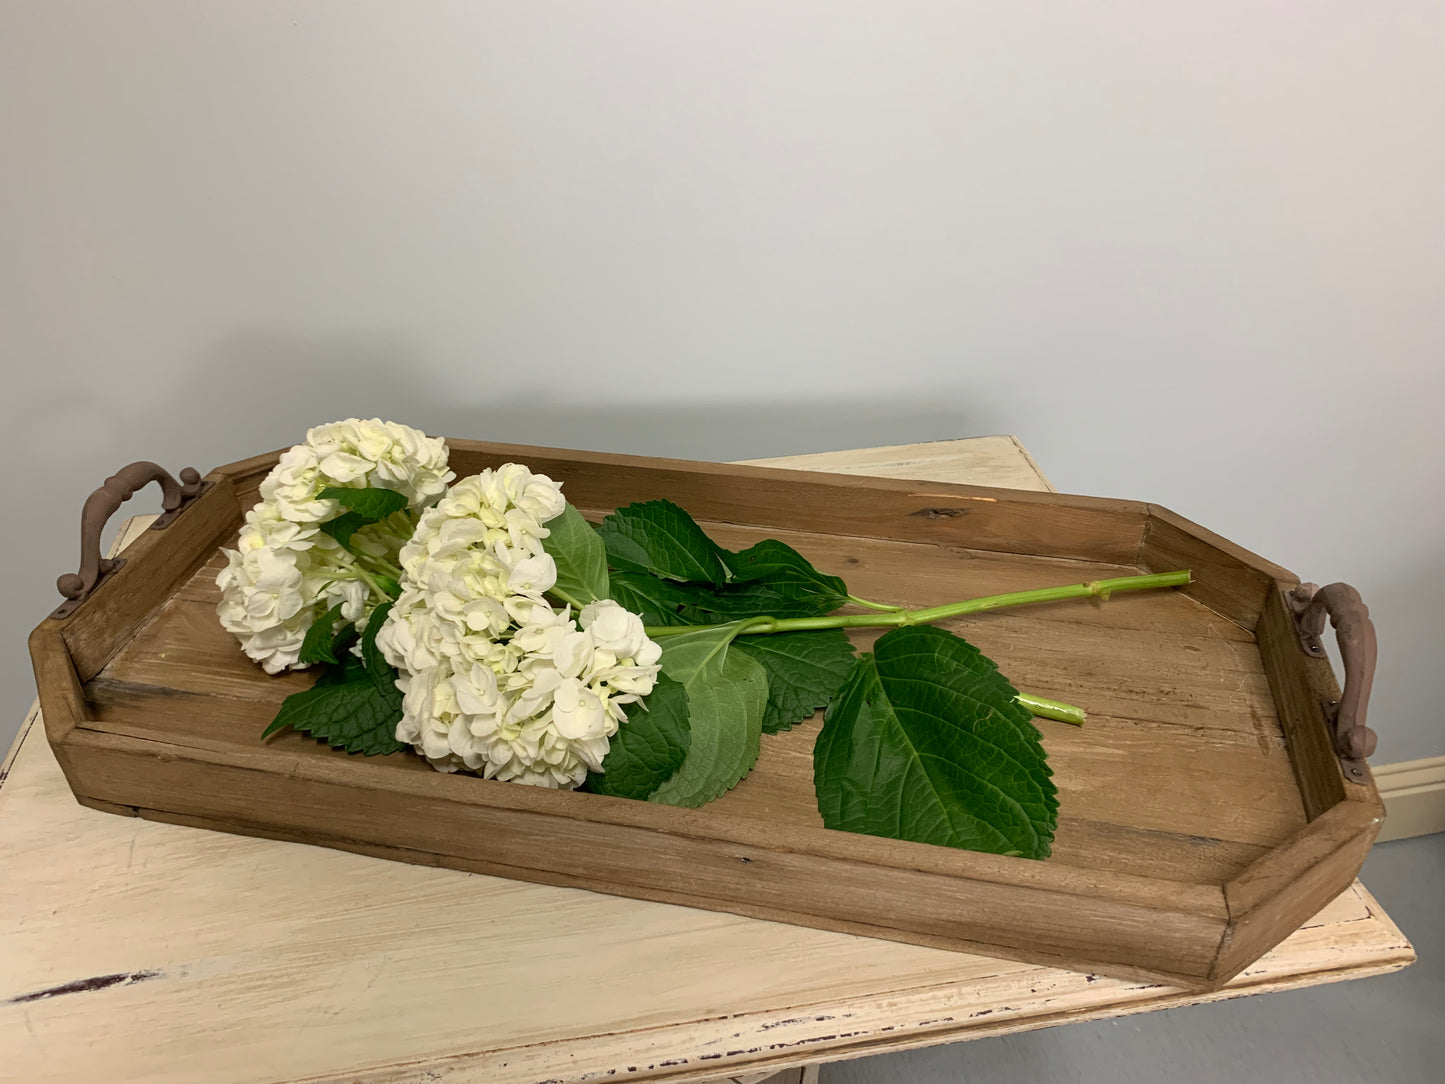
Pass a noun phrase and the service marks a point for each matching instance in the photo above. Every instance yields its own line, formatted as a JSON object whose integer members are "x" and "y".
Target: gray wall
{"x": 1192, "y": 253}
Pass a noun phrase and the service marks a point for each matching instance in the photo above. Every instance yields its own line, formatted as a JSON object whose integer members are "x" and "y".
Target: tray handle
{"x": 102, "y": 504}
{"x": 1355, "y": 633}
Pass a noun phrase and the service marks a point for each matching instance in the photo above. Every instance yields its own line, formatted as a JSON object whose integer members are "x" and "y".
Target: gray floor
{"x": 1387, "y": 1030}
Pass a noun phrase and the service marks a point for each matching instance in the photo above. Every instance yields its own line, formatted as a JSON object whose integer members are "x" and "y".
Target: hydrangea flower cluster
{"x": 285, "y": 571}
{"x": 494, "y": 680}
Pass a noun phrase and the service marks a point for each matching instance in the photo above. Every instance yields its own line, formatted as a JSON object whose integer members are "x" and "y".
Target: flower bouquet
{"x": 485, "y": 624}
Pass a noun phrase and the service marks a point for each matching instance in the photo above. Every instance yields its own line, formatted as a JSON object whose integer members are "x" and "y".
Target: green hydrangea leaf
{"x": 727, "y": 692}
{"x": 657, "y": 602}
{"x": 788, "y": 573}
{"x": 660, "y": 538}
{"x": 670, "y": 572}
{"x": 649, "y": 747}
{"x": 316, "y": 646}
{"x": 347, "y": 709}
{"x": 667, "y": 602}
{"x": 344, "y": 526}
{"x": 925, "y": 742}
{"x": 805, "y": 671}
{"x": 377, "y": 668}
{"x": 760, "y": 598}
{"x": 372, "y": 503}
{"x": 580, "y": 556}
{"x": 345, "y": 637}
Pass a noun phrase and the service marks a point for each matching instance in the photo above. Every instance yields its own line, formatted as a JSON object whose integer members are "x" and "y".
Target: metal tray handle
{"x": 1355, "y": 633}
{"x": 102, "y": 504}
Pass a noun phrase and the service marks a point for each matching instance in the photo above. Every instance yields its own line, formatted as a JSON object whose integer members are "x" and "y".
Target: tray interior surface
{"x": 1181, "y": 772}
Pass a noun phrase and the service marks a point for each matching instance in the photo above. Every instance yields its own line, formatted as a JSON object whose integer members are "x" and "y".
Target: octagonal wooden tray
{"x": 1204, "y": 812}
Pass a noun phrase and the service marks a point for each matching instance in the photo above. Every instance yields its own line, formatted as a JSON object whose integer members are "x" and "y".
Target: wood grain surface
{"x": 144, "y": 951}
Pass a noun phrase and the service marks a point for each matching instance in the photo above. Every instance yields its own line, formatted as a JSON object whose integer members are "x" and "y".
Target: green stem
{"x": 894, "y": 618}
{"x": 402, "y": 525}
{"x": 337, "y": 577}
{"x": 366, "y": 577}
{"x": 562, "y": 596}
{"x": 380, "y": 564}
{"x": 1052, "y": 709}
{"x": 873, "y": 605}
{"x": 376, "y": 587}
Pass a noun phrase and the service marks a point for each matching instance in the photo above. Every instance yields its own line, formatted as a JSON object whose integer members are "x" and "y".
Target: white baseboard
{"x": 1414, "y": 794}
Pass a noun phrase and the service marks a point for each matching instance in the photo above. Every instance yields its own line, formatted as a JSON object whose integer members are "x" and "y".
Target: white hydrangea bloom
{"x": 285, "y": 571}
{"x": 495, "y": 680}
{"x": 358, "y": 454}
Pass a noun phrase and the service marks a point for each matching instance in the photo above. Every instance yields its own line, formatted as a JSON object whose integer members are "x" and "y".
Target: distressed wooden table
{"x": 137, "y": 951}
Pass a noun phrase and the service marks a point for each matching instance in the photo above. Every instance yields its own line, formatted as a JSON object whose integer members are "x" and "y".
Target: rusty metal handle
{"x": 1355, "y": 633}
{"x": 102, "y": 504}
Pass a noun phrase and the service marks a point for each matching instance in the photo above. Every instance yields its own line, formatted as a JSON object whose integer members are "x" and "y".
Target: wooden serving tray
{"x": 1204, "y": 813}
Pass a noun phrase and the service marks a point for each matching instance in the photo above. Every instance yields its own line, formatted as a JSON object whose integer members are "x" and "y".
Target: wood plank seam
{"x": 1239, "y": 914}
{"x": 1029, "y": 459}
